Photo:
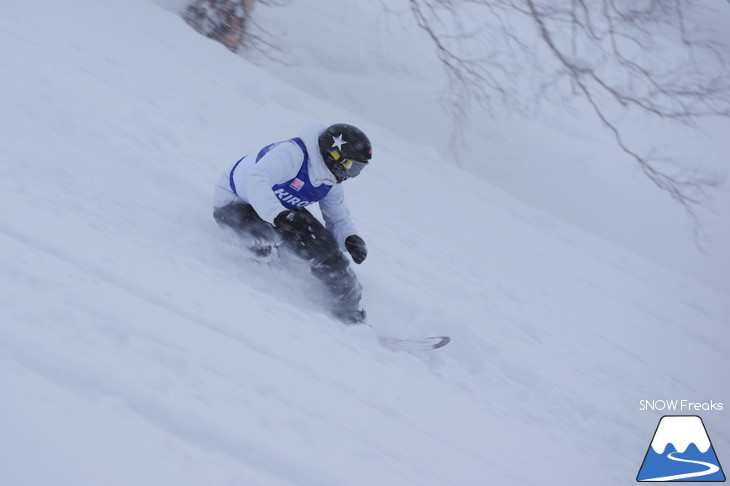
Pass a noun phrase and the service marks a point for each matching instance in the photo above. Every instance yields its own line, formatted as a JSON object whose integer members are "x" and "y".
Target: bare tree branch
{"x": 609, "y": 52}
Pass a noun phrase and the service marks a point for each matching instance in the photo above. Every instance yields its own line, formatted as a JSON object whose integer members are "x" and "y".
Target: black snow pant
{"x": 317, "y": 246}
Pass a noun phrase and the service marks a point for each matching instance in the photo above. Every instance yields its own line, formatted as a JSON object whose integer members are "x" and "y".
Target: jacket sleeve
{"x": 279, "y": 165}
{"x": 336, "y": 215}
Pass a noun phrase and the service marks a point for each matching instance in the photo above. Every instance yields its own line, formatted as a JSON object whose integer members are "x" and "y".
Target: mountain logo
{"x": 680, "y": 451}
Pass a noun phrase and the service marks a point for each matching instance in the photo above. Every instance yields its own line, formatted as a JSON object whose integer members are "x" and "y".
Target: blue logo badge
{"x": 680, "y": 451}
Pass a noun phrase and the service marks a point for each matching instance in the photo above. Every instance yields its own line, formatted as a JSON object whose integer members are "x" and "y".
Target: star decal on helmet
{"x": 338, "y": 142}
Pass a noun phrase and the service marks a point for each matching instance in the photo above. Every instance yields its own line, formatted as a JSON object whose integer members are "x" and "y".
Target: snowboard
{"x": 423, "y": 344}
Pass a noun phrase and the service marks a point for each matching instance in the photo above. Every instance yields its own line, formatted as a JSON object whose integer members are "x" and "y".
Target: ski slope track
{"x": 140, "y": 346}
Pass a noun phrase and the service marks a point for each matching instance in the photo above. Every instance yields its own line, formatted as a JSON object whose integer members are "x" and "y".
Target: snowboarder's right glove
{"x": 356, "y": 246}
{"x": 294, "y": 227}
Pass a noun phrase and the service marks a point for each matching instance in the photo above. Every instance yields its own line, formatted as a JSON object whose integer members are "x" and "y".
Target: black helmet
{"x": 346, "y": 150}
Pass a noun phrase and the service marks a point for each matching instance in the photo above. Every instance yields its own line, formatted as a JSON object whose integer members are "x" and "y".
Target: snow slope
{"x": 138, "y": 345}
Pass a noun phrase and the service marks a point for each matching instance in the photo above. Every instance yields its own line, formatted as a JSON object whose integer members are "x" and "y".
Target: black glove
{"x": 356, "y": 246}
{"x": 284, "y": 219}
{"x": 292, "y": 225}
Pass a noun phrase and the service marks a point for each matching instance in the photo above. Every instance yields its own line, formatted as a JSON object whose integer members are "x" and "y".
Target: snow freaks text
{"x": 680, "y": 406}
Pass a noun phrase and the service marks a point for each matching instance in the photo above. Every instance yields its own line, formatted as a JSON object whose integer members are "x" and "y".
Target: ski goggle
{"x": 352, "y": 167}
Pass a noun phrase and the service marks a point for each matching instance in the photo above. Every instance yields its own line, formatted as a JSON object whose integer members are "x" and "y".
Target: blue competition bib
{"x": 299, "y": 191}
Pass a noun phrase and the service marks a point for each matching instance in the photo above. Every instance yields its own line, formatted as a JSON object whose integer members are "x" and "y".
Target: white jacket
{"x": 253, "y": 182}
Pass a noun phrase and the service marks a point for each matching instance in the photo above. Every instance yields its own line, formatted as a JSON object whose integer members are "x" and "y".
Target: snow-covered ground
{"x": 139, "y": 345}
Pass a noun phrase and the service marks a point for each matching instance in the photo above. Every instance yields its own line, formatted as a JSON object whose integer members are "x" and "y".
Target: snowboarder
{"x": 264, "y": 195}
